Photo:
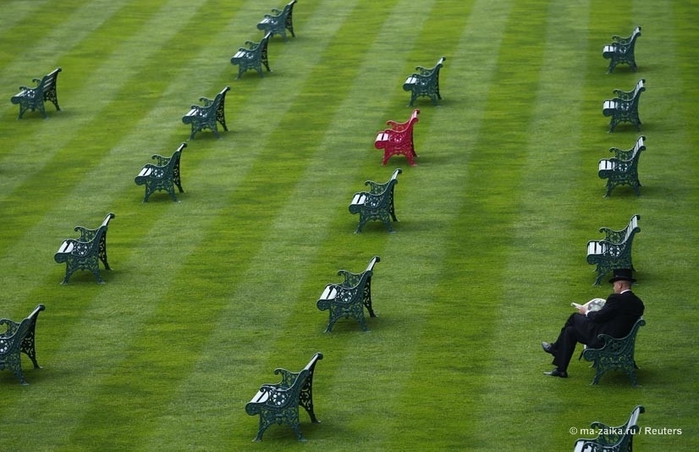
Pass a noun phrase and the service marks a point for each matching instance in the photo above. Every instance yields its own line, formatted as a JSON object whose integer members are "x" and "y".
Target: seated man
{"x": 616, "y": 318}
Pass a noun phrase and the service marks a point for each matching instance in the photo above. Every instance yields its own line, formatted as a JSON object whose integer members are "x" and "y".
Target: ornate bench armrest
{"x": 162, "y": 160}
{"x": 9, "y": 326}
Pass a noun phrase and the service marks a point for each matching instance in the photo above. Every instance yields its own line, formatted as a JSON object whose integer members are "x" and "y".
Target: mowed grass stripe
{"x": 46, "y": 33}
{"x": 17, "y": 14}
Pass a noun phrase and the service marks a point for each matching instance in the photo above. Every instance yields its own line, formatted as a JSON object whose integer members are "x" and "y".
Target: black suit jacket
{"x": 616, "y": 318}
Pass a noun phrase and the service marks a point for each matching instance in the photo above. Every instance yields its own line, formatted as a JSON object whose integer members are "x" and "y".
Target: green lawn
{"x": 209, "y": 295}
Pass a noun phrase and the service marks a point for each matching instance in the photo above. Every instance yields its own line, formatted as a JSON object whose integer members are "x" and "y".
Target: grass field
{"x": 209, "y": 295}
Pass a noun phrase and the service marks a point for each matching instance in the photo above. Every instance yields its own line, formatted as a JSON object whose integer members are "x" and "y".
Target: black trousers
{"x": 576, "y": 329}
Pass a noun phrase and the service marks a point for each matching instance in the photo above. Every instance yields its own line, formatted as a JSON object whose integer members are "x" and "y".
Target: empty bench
{"x": 279, "y": 21}
{"x": 279, "y": 403}
{"x": 624, "y": 107}
{"x": 17, "y": 338}
{"x": 348, "y": 299}
{"x": 34, "y": 98}
{"x": 615, "y": 354}
{"x": 377, "y": 204}
{"x": 622, "y": 51}
{"x": 612, "y": 439}
{"x": 85, "y": 252}
{"x": 208, "y": 115}
{"x": 164, "y": 175}
{"x": 614, "y": 251}
{"x": 424, "y": 83}
{"x": 622, "y": 169}
{"x": 398, "y": 140}
{"x": 252, "y": 57}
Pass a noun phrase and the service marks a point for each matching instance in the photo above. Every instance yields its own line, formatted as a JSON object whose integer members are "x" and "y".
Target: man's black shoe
{"x": 557, "y": 373}
{"x": 548, "y": 348}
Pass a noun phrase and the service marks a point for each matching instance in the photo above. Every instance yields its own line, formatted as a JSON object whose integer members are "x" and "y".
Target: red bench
{"x": 398, "y": 139}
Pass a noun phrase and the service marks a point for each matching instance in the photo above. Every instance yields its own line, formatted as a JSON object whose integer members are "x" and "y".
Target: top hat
{"x": 622, "y": 274}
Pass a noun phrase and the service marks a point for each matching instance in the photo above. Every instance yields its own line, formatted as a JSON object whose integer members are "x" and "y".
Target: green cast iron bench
{"x": 612, "y": 439}
{"x": 85, "y": 252}
{"x": 622, "y": 51}
{"x": 279, "y": 21}
{"x": 252, "y": 57}
{"x": 622, "y": 169}
{"x": 615, "y": 354}
{"x": 614, "y": 251}
{"x": 207, "y": 116}
{"x": 398, "y": 140}
{"x": 624, "y": 107}
{"x": 34, "y": 98}
{"x": 163, "y": 175}
{"x": 279, "y": 403}
{"x": 377, "y": 204}
{"x": 424, "y": 83}
{"x": 349, "y": 298}
{"x": 17, "y": 338}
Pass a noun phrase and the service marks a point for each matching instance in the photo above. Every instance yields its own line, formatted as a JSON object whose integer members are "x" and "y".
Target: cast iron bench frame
{"x": 614, "y": 251}
{"x": 252, "y": 57}
{"x": 622, "y": 169}
{"x": 622, "y": 51}
{"x": 615, "y": 354}
{"x": 163, "y": 175}
{"x": 85, "y": 252}
{"x": 349, "y": 298}
{"x": 279, "y": 21}
{"x": 279, "y": 403}
{"x": 612, "y": 439}
{"x": 34, "y": 98}
{"x": 206, "y": 116}
{"x": 398, "y": 139}
{"x": 377, "y": 204}
{"x": 19, "y": 338}
{"x": 424, "y": 83}
{"x": 624, "y": 107}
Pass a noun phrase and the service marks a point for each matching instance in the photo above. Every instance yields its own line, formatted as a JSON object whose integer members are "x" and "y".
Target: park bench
{"x": 614, "y": 251}
{"x": 279, "y": 403}
{"x": 624, "y": 107}
{"x": 622, "y": 169}
{"x": 162, "y": 176}
{"x": 398, "y": 139}
{"x": 253, "y": 57}
{"x": 614, "y": 354}
{"x": 279, "y": 22}
{"x": 34, "y": 98}
{"x": 622, "y": 51}
{"x": 85, "y": 252}
{"x": 377, "y": 204}
{"x": 424, "y": 82}
{"x": 349, "y": 298}
{"x": 17, "y": 338}
{"x": 612, "y": 439}
{"x": 208, "y": 115}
